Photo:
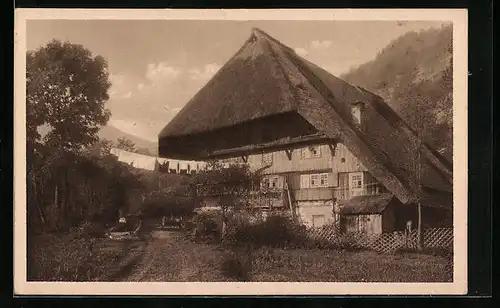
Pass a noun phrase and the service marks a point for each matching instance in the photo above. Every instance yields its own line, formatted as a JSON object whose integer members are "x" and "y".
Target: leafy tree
{"x": 125, "y": 144}
{"x": 67, "y": 89}
{"x": 99, "y": 149}
{"x": 230, "y": 185}
{"x": 176, "y": 201}
{"x": 66, "y": 92}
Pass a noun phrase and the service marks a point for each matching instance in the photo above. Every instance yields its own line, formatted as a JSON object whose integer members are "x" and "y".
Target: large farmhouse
{"x": 321, "y": 142}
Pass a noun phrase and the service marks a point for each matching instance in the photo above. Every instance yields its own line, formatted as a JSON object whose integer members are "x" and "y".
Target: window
{"x": 314, "y": 180}
{"x": 315, "y": 152}
{"x": 355, "y": 180}
{"x": 310, "y": 152}
{"x": 274, "y": 182}
{"x": 303, "y": 153}
{"x": 356, "y": 114}
{"x": 305, "y": 181}
{"x": 267, "y": 158}
{"x": 265, "y": 183}
{"x": 318, "y": 221}
{"x": 356, "y": 110}
{"x": 323, "y": 179}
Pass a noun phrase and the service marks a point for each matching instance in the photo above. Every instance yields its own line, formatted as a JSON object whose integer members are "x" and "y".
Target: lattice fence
{"x": 386, "y": 242}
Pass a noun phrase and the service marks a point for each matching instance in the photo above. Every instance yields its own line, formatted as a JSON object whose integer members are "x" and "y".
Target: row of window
{"x": 315, "y": 180}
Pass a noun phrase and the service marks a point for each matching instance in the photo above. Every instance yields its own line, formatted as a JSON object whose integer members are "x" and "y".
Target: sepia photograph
{"x": 212, "y": 153}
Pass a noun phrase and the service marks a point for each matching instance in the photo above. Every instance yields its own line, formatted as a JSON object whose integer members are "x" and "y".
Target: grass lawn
{"x": 63, "y": 257}
{"x": 178, "y": 259}
{"x": 173, "y": 257}
{"x": 337, "y": 266}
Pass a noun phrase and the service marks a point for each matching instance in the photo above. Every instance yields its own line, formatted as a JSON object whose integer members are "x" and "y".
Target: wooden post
{"x": 419, "y": 227}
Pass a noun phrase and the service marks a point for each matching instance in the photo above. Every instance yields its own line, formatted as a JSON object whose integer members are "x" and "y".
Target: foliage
{"x": 229, "y": 184}
{"x": 414, "y": 74}
{"x": 66, "y": 92}
{"x": 72, "y": 258}
{"x": 125, "y": 144}
{"x": 71, "y": 175}
{"x": 175, "y": 201}
{"x": 275, "y": 231}
{"x": 67, "y": 188}
{"x": 207, "y": 225}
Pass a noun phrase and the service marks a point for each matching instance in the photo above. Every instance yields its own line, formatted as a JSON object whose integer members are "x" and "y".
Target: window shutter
{"x": 304, "y": 181}
{"x": 333, "y": 179}
{"x": 281, "y": 183}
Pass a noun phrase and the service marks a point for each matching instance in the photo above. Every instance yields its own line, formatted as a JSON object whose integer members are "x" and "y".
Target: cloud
{"x": 312, "y": 47}
{"x": 116, "y": 79}
{"x": 301, "y": 51}
{"x": 162, "y": 72}
{"x": 321, "y": 44}
{"x": 154, "y": 98}
{"x": 204, "y": 73}
{"x": 175, "y": 110}
{"x": 120, "y": 86}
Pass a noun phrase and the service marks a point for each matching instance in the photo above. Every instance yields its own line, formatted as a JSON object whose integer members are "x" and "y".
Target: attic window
{"x": 310, "y": 152}
{"x": 356, "y": 110}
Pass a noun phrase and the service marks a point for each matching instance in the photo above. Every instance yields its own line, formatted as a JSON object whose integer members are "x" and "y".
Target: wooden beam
{"x": 289, "y": 153}
{"x": 333, "y": 148}
{"x": 277, "y": 145}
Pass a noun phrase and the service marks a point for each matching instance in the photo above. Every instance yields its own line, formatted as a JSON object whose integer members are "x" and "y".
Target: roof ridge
{"x": 260, "y": 34}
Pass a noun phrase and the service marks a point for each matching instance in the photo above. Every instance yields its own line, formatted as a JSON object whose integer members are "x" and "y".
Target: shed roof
{"x": 266, "y": 78}
{"x": 372, "y": 204}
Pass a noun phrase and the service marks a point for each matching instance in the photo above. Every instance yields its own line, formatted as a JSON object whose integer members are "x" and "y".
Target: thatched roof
{"x": 372, "y": 204}
{"x": 266, "y": 79}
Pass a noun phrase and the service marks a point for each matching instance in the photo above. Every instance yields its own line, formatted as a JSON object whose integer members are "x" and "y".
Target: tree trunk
{"x": 36, "y": 198}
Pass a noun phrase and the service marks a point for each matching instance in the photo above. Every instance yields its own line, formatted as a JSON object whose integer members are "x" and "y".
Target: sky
{"x": 156, "y": 66}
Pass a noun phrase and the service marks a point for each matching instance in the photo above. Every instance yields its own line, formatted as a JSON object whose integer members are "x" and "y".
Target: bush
{"x": 207, "y": 226}
{"x": 275, "y": 231}
{"x": 168, "y": 202}
{"x": 349, "y": 242}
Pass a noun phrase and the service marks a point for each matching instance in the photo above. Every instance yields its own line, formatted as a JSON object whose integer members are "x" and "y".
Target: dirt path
{"x": 173, "y": 258}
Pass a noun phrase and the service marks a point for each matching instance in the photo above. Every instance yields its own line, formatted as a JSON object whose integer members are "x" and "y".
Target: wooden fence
{"x": 441, "y": 238}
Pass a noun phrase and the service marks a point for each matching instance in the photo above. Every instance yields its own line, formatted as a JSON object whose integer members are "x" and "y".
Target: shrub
{"x": 275, "y": 231}
{"x": 207, "y": 226}
{"x": 349, "y": 242}
{"x": 168, "y": 202}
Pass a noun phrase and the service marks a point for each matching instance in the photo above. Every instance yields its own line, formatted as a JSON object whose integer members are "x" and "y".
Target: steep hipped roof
{"x": 265, "y": 78}
{"x": 249, "y": 86}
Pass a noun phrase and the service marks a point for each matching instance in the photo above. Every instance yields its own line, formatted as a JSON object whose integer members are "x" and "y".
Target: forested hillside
{"x": 414, "y": 75}
{"x": 112, "y": 133}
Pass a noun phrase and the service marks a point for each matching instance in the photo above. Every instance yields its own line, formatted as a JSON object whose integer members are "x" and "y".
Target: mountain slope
{"x": 112, "y": 133}
{"x": 414, "y": 75}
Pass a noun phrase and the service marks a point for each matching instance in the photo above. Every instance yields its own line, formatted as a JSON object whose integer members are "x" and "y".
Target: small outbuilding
{"x": 369, "y": 214}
